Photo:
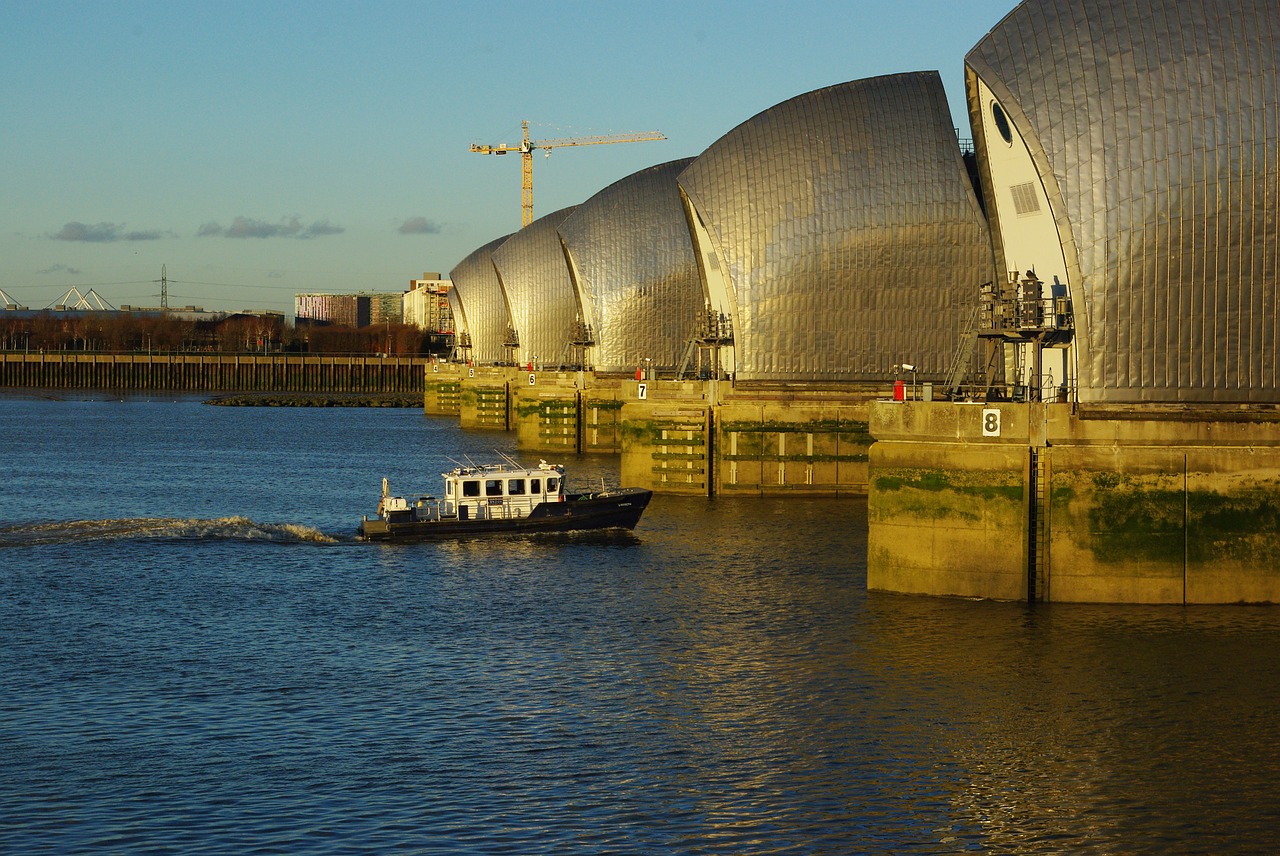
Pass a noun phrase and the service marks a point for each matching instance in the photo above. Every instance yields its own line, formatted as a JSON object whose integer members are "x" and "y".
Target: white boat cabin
{"x": 478, "y": 493}
{"x": 489, "y": 492}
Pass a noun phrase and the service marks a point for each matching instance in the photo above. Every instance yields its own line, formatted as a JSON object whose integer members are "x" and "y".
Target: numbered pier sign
{"x": 990, "y": 422}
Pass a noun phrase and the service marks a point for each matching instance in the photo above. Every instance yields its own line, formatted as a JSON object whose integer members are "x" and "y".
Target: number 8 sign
{"x": 990, "y": 422}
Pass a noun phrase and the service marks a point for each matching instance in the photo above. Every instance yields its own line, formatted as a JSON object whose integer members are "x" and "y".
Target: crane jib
{"x": 527, "y": 147}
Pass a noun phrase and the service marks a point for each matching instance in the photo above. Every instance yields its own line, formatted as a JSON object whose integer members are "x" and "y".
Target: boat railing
{"x": 506, "y": 510}
{"x": 425, "y": 507}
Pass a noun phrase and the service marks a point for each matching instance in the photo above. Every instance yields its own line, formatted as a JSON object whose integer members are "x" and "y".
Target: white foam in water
{"x": 221, "y": 529}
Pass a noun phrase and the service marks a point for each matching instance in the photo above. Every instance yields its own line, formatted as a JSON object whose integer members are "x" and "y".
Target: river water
{"x": 197, "y": 657}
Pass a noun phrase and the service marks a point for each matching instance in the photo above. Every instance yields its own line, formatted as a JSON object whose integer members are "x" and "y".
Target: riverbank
{"x": 312, "y": 400}
{"x": 313, "y": 374}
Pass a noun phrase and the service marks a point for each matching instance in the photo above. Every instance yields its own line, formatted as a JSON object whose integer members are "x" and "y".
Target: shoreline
{"x": 306, "y": 399}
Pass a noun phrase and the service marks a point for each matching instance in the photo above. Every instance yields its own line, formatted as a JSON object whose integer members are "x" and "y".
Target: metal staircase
{"x": 963, "y": 353}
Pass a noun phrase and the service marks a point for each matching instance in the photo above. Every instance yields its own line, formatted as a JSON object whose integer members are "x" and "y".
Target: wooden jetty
{"x": 214, "y": 372}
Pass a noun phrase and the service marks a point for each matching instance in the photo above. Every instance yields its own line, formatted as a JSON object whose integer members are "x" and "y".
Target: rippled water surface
{"x": 197, "y": 657}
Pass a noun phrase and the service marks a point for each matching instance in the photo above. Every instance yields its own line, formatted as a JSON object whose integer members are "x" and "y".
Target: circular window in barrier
{"x": 1002, "y": 123}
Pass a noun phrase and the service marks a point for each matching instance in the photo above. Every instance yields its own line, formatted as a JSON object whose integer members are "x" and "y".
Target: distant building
{"x": 185, "y": 313}
{"x": 348, "y": 310}
{"x": 386, "y": 308}
{"x": 426, "y": 304}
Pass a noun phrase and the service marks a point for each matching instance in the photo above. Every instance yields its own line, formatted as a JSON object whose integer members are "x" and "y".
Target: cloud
{"x": 103, "y": 233}
{"x": 61, "y": 269}
{"x": 419, "y": 226}
{"x": 244, "y": 227}
{"x": 291, "y": 227}
{"x": 322, "y": 227}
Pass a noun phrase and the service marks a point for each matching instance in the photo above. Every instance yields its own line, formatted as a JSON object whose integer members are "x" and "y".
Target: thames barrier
{"x": 1046, "y": 353}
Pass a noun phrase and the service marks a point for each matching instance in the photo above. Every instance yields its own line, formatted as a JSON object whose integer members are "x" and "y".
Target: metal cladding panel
{"x": 1155, "y": 127}
{"x": 539, "y": 291}
{"x": 459, "y": 314}
{"x": 849, "y": 230}
{"x": 478, "y": 291}
{"x": 633, "y": 260}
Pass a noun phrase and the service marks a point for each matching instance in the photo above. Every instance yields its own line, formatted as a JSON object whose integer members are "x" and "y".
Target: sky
{"x": 255, "y": 150}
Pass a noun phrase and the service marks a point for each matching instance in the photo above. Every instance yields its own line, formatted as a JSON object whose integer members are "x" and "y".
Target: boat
{"x": 493, "y": 499}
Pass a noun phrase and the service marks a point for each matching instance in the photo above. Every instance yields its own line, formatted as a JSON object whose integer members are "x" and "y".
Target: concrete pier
{"x": 701, "y": 438}
{"x": 667, "y": 432}
{"x": 484, "y": 399}
{"x": 707, "y": 438}
{"x": 566, "y": 412}
{"x": 1150, "y": 504}
{"x": 442, "y": 389}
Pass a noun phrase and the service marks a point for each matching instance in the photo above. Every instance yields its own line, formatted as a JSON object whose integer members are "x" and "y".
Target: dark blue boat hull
{"x": 617, "y": 509}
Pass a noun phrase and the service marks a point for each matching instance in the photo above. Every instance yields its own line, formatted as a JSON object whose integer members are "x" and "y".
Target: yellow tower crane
{"x": 527, "y": 146}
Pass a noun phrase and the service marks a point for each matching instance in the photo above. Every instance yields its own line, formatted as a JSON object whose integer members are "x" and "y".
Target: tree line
{"x": 126, "y": 332}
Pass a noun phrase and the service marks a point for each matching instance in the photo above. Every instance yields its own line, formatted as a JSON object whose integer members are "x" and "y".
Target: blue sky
{"x": 266, "y": 148}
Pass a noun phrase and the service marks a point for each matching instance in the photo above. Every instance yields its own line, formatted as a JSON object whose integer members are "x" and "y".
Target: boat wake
{"x": 160, "y": 528}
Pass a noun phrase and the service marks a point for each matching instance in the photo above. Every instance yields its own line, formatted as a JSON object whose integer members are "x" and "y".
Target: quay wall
{"x": 318, "y": 373}
{"x": 1043, "y": 502}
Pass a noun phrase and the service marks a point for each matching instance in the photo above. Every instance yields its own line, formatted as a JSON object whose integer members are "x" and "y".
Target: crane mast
{"x": 527, "y": 147}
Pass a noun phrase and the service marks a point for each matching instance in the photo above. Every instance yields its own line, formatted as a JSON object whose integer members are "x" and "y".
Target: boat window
{"x": 493, "y": 487}
{"x": 535, "y": 485}
{"x": 515, "y": 487}
{"x": 448, "y": 488}
{"x": 471, "y": 488}
{"x": 551, "y": 485}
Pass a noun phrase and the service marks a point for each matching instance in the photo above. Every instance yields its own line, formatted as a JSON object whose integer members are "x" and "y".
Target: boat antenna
{"x": 510, "y": 460}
